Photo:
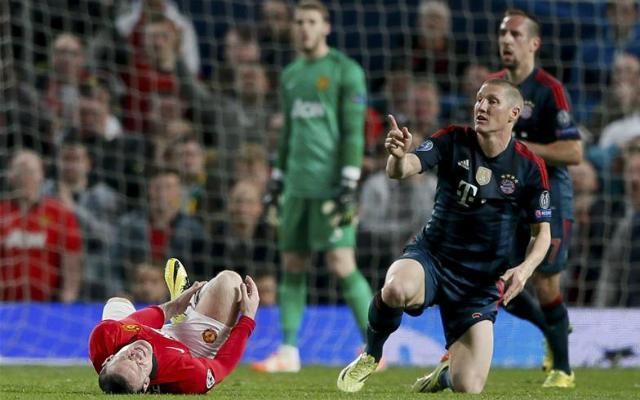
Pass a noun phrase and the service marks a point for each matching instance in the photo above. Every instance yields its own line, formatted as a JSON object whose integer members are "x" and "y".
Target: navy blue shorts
{"x": 558, "y": 253}
{"x": 465, "y": 297}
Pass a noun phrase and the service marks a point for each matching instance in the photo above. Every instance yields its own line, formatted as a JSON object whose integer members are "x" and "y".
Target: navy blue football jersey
{"x": 480, "y": 200}
{"x": 546, "y": 118}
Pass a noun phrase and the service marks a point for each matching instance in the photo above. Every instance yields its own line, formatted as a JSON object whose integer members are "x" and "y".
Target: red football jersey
{"x": 31, "y": 248}
{"x": 177, "y": 370}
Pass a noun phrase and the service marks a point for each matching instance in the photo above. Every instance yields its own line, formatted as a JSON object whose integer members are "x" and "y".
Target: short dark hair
{"x": 534, "y": 23}
{"x": 113, "y": 383}
{"x": 316, "y": 5}
{"x": 512, "y": 90}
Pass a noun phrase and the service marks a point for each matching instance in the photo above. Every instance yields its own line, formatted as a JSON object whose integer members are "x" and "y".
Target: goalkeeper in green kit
{"x": 323, "y": 97}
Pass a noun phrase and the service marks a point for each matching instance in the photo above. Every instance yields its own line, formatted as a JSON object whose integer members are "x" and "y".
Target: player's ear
{"x": 145, "y": 384}
{"x": 515, "y": 113}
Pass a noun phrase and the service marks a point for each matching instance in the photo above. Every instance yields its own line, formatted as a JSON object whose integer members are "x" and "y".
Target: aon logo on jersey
{"x": 306, "y": 109}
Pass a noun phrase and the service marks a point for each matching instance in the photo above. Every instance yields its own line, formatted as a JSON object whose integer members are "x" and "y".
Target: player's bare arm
{"x": 515, "y": 278}
{"x": 180, "y": 303}
{"x": 560, "y": 152}
{"x": 400, "y": 164}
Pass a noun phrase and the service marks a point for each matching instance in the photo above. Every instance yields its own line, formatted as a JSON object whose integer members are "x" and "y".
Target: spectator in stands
{"x": 398, "y": 95}
{"x": 594, "y": 57}
{"x": 93, "y": 114}
{"x": 390, "y": 212}
{"x": 40, "y": 241}
{"x": 276, "y": 41}
{"x": 152, "y": 69}
{"x": 251, "y": 165}
{"x": 60, "y": 86}
{"x": 588, "y": 234}
{"x": 96, "y": 206}
{"x": 190, "y": 160}
{"x": 148, "y": 284}
{"x": 160, "y": 231}
{"x": 242, "y": 242}
{"x": 132, "y": 26}
{"x": 426, "y": 111}
{"x": 434, "y": 48}
{"x": 619, "y": 284}
{"x": 167, "y": 123}
{"x": 240, "y": 46}
{"x": 622, "y": 97}
{"x": 474, "y": 76}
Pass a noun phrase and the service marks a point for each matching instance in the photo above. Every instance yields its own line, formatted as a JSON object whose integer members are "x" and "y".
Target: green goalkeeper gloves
{"x": 342, "y": 209}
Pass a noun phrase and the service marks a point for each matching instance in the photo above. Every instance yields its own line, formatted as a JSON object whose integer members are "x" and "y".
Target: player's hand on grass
{"x": 271, "y": 199}
{"x": 250, "y": 298}
{"x": 179, "y": 304}
{"x": 514, "y": 281}
{"x": 398, "y": 141}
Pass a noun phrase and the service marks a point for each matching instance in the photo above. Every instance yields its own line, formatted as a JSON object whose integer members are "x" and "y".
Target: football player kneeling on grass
{"x": 135, "y": 352}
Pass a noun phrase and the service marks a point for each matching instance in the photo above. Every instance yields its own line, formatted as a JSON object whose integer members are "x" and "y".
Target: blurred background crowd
{"x": 145, "y": 129}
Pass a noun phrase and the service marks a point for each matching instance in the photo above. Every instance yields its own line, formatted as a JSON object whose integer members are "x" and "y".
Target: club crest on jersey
{"x": 322, "y": 83}
{"x": 210, "y": 379}
{"x": 508, "y": 183}
{"x": 545, "y": 200}
{"x": 131, "y": 327}
{"x": 209, "y": 335}
{"x": 426, "y": 146}
{"x": 527, "y": 109}
{"x": 483, "y": 175}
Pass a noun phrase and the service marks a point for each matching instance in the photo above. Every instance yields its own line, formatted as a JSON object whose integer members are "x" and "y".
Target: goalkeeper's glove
{"x": 341, "y": 210}
{"x": 271, "y": 199}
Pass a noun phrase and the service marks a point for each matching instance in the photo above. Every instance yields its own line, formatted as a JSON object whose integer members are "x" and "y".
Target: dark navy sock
{"x": 557, "y": 335}
{"x": 383, "y": 321}
{"x": 526, "y": 307}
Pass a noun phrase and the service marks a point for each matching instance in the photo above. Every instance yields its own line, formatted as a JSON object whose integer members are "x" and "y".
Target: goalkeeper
{"x": 323, "y": 95}
{"x": 134, "y": 353}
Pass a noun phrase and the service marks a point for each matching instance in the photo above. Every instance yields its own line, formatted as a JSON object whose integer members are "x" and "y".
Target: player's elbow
{"x": 576, "y": 154}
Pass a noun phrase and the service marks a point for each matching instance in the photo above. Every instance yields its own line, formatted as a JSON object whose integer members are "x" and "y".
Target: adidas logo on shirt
{"x": 464, "y": 164}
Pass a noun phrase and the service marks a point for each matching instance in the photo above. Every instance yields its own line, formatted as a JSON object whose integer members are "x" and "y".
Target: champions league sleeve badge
{"x": 426, "y": 146}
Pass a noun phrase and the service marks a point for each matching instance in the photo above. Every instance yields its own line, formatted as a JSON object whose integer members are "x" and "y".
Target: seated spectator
{"x": 40, "y": 240}
{"x": 435, "y": 50}
{"x": 621, "y": 99}
{"x": 474, "y": 77}
{"x": 93, "y": 115}
{"x": 160, "y": 231}
{"x": 619, "y": 284}
{"x": 96, "y": 206}
{"x": 390, "y": 212}
{"x": 167, "y": 123}
{"x": 426, "y": 111}
{"x": 240, "y": 47}
{"x": 60, "y": 85}
{"x": 148, "y": 284}
{"x": 251, "y": 165}
{"x": 621, "y": 131}
{"x": 131, "y": 26}
{"x": 275, "y": 39}
{"x": 594, "y": 57}
{"x": 151, "y": 70}
{"x": 242, "y": 242}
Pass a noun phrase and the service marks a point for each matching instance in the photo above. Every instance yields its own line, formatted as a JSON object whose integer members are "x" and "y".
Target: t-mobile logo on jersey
{"x": 466, "y": 193}
{"x": 306, "y": 109}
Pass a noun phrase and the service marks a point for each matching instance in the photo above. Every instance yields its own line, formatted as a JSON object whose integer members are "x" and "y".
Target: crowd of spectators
{"x": 121, "y": 151}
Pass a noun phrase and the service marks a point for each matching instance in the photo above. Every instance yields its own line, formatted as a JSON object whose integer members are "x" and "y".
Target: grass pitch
{"x": 31, "y": 382}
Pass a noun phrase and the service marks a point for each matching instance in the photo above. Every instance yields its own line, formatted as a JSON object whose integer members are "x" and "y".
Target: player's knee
{"x": 229, "y": 278}
{"x": 295, "y": 262}
{"x": 394, "y": 293}
{"x": 468, "y": 382}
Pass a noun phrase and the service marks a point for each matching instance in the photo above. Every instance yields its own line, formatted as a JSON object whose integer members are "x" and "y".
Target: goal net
{"x": 157, "y": 123}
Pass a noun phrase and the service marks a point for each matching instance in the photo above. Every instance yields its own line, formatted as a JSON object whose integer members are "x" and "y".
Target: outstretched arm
{"x": 400, "y": 164}
{"x": 516, "y": 278}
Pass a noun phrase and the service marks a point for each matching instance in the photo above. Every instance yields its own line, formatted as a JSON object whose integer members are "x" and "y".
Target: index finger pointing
{"x": 392, "y": 121}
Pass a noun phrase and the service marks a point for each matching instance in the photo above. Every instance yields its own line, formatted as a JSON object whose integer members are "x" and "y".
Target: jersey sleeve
{"x": 206, "y": 372}
{"x": 436, "y": 148}
{"x": 560, "y": 109}
{"x": 352, "y": 110}
{"x": 152, "y": 317}
{"x": 537, "y": 201}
